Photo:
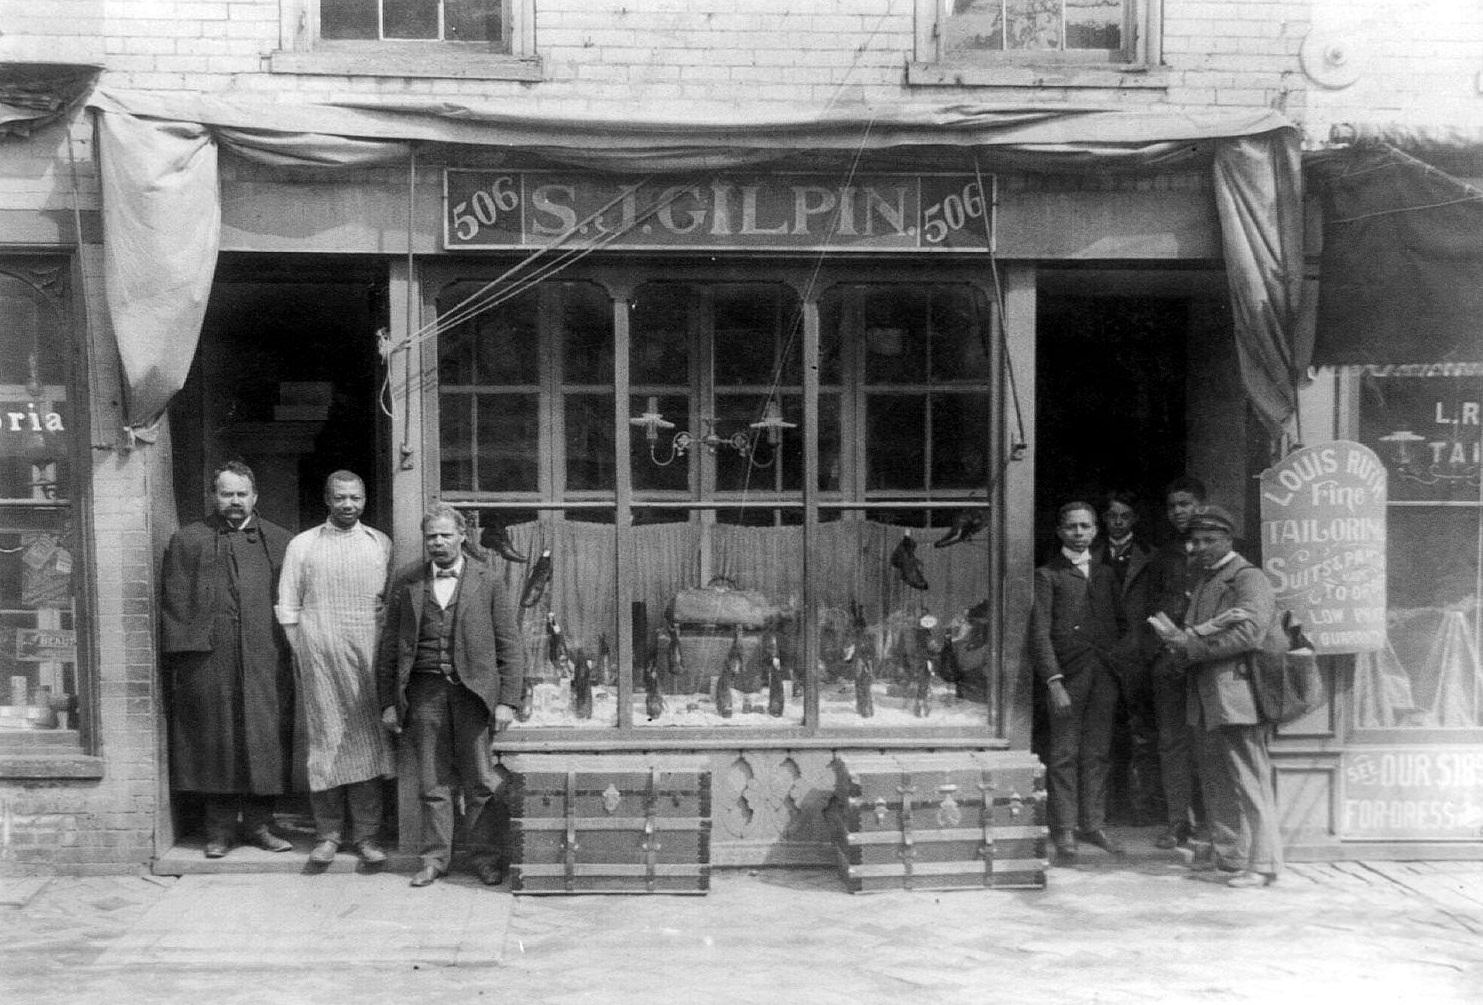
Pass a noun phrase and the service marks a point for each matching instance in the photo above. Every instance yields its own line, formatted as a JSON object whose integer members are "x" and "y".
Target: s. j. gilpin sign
{"x": 878, "y": 212}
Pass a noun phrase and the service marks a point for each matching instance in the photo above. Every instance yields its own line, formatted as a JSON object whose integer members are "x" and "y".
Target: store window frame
{"x": 56, "y": 754}
{"x": 810, "y": 282}
{"x": 302, "y": 50}
{"x": 1352, "y": 404}
{"x": 1138, "y": 64}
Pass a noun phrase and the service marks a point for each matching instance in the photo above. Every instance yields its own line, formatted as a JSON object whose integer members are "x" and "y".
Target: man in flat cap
{"x": 1230, "y": 610}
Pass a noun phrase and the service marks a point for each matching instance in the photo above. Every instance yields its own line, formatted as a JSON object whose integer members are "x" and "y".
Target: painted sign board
{"x": 1426, "y": 423}
{"x": 576, "y": 212}
{"x": 1431, "y": 793}
{"x": 1323, "y": 543}
{"x": 46, "y": 645}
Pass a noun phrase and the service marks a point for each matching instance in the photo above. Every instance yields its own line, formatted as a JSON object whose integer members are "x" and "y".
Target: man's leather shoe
{"x": 1100, "y": 839}
{"x": 1065, "y": 843}
{"x": 489, "y": 873}
{"x": 1251, "y": 880}
{"x": 216, "y": 849}
{"x": 1176, "y": 835}
{"x": 268, "y": 841}
{"x": 323, "y": 853}
{"x": 1214, "y": 874}
{"x": 427, "y": 876}
{"x": 370, "y": 853}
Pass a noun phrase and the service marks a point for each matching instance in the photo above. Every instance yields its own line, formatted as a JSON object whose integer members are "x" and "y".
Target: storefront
{"x": 732, "y": 387}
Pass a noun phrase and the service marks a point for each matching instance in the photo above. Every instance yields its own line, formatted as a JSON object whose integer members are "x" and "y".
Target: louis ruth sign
{"x": 1323, "y": 543}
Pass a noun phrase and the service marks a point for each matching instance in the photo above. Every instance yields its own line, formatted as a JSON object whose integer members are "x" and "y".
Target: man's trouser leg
{"x": 364, "y": 801}
{"x": 328, "y": 807}
{"x": 1098, "y": 710}
{"x": 1176, "y": 743}
{"x": 1249, "y": 768}
{"x": 471, "y": 743}
{"x": 429, "y": 731}
{"x": 1222, "y": 806}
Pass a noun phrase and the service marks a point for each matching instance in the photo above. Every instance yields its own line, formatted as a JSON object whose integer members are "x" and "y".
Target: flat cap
{"x": 1212, "y": 518}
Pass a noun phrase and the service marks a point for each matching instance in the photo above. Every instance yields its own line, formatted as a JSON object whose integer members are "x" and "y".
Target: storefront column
{"x": 1019, "y": 504}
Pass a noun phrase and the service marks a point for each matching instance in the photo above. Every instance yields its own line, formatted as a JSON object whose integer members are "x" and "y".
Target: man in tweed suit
{"x": 329, "y": 604}
{"x": 450, "y": 670}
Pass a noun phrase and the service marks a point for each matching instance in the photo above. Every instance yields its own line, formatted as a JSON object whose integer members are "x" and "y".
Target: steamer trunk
{"x": 950, "y": 820}
{"x": 609, "y": 823}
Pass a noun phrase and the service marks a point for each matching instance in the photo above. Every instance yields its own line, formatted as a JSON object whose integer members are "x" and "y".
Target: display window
{"x": 1424, "y": 422}
{"x": 40, "y": 546}
{"x": 742, "y": 503}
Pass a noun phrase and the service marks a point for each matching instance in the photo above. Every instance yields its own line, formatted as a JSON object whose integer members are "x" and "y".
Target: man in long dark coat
{"x": 231, "y": 707}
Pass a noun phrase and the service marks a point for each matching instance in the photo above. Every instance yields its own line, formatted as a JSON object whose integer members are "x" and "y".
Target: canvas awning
{"x": 33, "y": 95}
{"x": 1402, "y": 247}
{"x": 161, "y": 210}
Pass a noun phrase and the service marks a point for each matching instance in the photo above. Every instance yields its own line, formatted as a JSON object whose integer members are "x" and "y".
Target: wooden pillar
{"x": 1019, "y": 505}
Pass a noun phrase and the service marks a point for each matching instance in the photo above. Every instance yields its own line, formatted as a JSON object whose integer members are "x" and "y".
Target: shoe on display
{"x": 1065, "y": 843}
{"x": 216, "y": 849}
{"x": 489, "y": 873}
{"x": 323, "y": 853}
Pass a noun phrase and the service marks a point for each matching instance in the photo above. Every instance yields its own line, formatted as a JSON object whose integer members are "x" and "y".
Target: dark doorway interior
{"x": 286, "y": 379}
{"x": 1110, "y": 400}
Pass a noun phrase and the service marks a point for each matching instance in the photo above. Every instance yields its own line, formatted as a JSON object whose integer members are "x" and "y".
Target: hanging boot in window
{"x": 967, "y": 523}
{"x": 904, "y": 560}
{"x": 495, "y": 538}
{"x": 537, "y": 582}
{"x": 653, "y": 700}
{"x": 582, "y": 686}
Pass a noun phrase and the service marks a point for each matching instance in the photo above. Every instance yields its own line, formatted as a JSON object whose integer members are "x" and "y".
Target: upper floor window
{"x": 1066, "y": 43}
{"x": 473, "y": 39}
{"x": 482, "y": 21}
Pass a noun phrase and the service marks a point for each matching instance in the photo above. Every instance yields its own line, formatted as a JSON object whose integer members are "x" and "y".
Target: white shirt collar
{"x": 1081, "y": 558}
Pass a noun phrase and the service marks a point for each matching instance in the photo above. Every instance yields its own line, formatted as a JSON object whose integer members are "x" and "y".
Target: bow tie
{"x": 445, "y": 574}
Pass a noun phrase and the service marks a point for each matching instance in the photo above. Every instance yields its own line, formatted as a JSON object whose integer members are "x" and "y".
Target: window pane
{"x": 1094, "y": 24}
{"x": 830, "y": 444}
{"x": 410, "y": 18}
{"x": 894, "y": 323}
{"x": 656, "y": 466}
{"x": 659, "y": 335}
{"x": 589, "y": 441}
{"x": 508, "y": 439}
{"x": 1034, "y": 24}
{"x": 348, "y": 19}
{"x": 959, "y": 324}
{"x": 773, "y": 459}
{"x": 973, "y": 25}
{"x": 456, "y": 441}
{"x": 498, "y": 346}
{"x": 1429, "y": 675}
{"x": 895, "y": 438}
{"x": 755, "y": 326}
{"x": 587, "y": 334}
{"x": 960, "y": 441}
{"x": 474, "y": 20}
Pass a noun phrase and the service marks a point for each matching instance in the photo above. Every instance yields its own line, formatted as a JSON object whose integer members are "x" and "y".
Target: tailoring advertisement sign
{"x": 796, "y": 212}
{"x": 1323, "y": 543}
{"x": 1431, "y": 793}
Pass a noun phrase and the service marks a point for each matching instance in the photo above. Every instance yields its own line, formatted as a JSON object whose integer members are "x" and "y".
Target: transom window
{"x": 427, "y": 20}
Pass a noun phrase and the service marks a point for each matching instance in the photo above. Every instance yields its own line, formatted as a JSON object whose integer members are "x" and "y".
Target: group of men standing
{"x": 262, "y": 630}
{"x": 1187, "y": 695}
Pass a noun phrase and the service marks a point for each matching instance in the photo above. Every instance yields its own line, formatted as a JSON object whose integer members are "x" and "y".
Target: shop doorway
{"x": 286, "y": 379}
{"x": 1110, "y": 416}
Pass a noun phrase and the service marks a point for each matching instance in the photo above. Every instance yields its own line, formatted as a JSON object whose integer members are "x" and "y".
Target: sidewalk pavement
{"x": 1108, "y": 930}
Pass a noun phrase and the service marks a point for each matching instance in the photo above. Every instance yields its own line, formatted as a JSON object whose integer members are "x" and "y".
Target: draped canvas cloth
{"x": 161, "y": 209}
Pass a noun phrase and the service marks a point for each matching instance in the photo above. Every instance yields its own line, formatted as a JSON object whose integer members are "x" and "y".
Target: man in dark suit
{"x": 1230, "y": 611}
{"x": 1171, "y": 577}
{"x": 1074, "y": 627}
{"x": 231, "y": 682}
{"x": 1136, "y": 750}
{"x": 450, "y": 671}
